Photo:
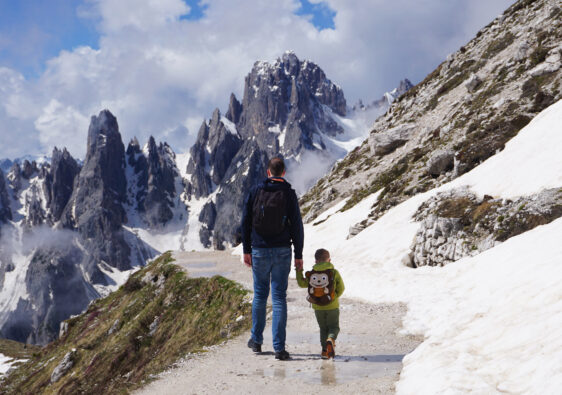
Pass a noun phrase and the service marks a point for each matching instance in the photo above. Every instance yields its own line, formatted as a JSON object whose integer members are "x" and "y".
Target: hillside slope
{"x": 490, "y": 321}
{"x": 156, "y": 317}
{"x": 460, "y": 115}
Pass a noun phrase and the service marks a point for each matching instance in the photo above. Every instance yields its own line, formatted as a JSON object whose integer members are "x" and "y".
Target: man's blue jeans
{"x": 270, "y": 265}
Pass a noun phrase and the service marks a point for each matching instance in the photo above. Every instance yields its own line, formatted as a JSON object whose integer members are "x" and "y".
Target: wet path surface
{"x": 369, "y": 351}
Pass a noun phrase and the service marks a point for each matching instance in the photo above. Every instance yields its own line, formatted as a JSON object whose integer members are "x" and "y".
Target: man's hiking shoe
{"x": 324, "y": 354}
{"x": 254, "y": 346}
{"x": 331, "y": 347}
{"x": 282, "y": 355}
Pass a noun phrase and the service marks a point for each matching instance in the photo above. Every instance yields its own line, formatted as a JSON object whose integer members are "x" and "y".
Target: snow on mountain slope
{"x": 492, "y": 321}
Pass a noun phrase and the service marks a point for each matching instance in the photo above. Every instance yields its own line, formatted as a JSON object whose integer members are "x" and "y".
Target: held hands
{"x": 248, "y": 260}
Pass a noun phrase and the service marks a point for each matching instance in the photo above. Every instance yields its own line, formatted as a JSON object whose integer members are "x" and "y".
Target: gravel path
{"x": 368, "y": 351}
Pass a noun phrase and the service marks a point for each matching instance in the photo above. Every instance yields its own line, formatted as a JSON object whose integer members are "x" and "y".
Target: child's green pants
{"x": 329, "y": 323}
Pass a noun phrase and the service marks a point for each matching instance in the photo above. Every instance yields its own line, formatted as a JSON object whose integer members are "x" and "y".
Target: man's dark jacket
{"x": 293, "y": 231}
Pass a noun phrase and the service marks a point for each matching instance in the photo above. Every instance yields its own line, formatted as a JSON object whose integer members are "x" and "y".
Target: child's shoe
{"x": 324, "y": 354}
{"x": 331, "y": 347}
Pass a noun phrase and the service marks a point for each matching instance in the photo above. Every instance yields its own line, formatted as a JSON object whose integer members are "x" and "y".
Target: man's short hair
{"x": 276, "y": 166}
{"x": 321, "y": 255}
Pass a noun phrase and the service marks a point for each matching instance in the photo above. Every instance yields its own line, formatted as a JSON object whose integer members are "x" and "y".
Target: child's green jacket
{"x": 339, "y": 287}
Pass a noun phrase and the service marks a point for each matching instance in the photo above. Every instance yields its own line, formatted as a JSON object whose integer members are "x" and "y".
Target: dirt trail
{"x": 369, "y": 351}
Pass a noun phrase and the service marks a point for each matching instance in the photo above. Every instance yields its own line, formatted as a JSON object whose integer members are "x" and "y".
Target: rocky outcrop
{"x": 441, "y": 162}
{"x": 472, "y": 83}
{"x": 64, "y": 366}
{"x": 95, "y": 208}
{"x": 253, "y": 162}
{"x": 383, "y": 143}
{"x": 234, "y": 109}
{"x": 207, "y": 217}
{"x": 457, "y": 223}
{"x": 5, "y": 211}
{"x": 60, "y": 181}
{"x": 154, "y": 187}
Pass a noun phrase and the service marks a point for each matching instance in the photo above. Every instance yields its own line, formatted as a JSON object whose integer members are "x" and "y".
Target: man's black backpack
{"x": 269, "y": 214}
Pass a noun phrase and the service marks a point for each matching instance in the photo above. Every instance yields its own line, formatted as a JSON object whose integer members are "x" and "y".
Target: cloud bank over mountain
{"x": 161, "y": 72}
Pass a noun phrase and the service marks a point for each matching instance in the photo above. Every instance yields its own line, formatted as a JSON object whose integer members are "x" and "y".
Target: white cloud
{"x": 59, "y": 122}
{"x": 160, "y": 74}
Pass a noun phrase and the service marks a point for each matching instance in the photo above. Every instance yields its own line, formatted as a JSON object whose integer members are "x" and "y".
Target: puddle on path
{"x": 344, "y": 369}
{"x": 203, "y": 269}
{"x": 348, "y": 367}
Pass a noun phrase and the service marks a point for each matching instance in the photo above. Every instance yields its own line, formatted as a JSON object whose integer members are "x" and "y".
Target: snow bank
{"x": 491, "y": 322}
{"x": 7, "y": 362}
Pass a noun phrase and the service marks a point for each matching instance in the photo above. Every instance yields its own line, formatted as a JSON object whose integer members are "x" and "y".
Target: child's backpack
{"x": 321, "y": 287}
{"x": 269, "y": 212}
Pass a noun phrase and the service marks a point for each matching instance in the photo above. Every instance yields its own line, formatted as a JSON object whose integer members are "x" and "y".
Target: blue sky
{"x": 33, "y": 31}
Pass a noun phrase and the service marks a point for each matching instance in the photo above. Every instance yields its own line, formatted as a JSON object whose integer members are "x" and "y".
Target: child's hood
{"x": 322, "y": 266}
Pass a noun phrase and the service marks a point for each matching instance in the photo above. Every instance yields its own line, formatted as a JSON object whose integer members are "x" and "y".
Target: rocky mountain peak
{"x": 5, "y": 212}
{"x": 28, "y": 169}
{"x": 96, "y": 205}
{"x": 60, "y": 181}
{"x": 234, "y": 109}
{"x": 288, "y": 108}
{"x": 103, "y": 132}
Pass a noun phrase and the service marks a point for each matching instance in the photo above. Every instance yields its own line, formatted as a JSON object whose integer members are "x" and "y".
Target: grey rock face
{"x": 207, "y": 217}
{"x": 290, "y": 94}
{"x": 35, "y": 214}
{"x": 64, "y": 366}
{"x": 457, "y": 223}
{"x": 200, "y": 181}
{"x": 288, "y": 107}
{"x": 211, "y": 155}
{"x": 57, "y": 289}
{"x": 472, "y": 83}
{"x": 14, "y": 178}
{"x": 234, "y": 109}
{"x": 95, "y": 208}
{"x": 551, "y": 64}
{"x": 383, "y": 143}
{"x": 28, "y": 169}
{"x": 440, "y": 162}
{"x": 5, "y": 211}
{"x": 253, "y": 162}
{"x": 155, "y": 181}
{"x": 60, "y": 181}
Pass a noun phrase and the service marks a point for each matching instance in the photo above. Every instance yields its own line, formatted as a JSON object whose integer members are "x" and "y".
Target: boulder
{"x": 64, "y": 366}
{"x": 551, "y": 64}
{"x": 472, "y": 83}
{"x": 383, "y": 143}
{"x": 440, "y": 163}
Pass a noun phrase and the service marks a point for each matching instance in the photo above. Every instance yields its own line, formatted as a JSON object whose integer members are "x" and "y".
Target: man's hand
{"x": 298, "y": 264}
{"x": 248, "y": 260}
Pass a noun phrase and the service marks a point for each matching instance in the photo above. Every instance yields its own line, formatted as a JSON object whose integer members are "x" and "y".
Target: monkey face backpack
{"x": 320, "y": 287}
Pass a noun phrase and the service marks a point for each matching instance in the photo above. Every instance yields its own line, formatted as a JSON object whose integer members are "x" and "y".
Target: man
{"x": 271, "y": 221}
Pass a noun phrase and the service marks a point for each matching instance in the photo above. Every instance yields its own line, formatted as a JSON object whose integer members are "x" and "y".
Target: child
{"x": 325, "y": 286}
